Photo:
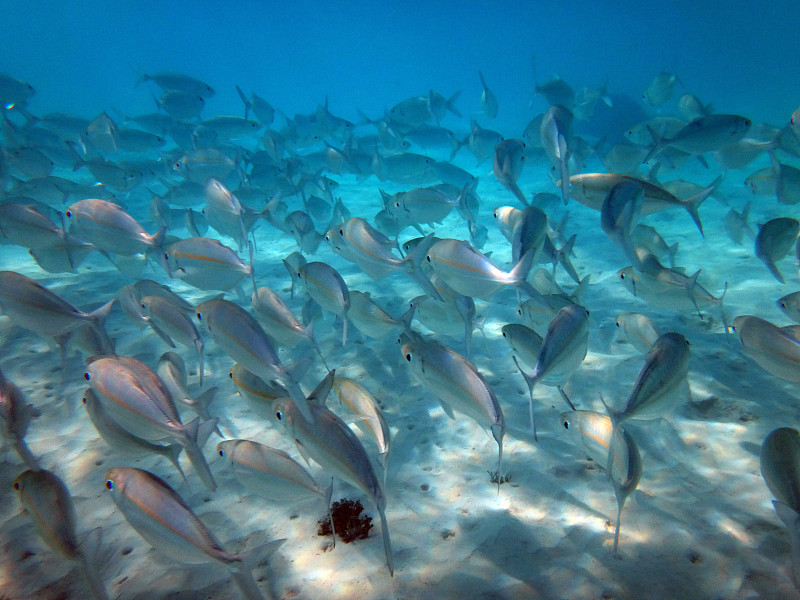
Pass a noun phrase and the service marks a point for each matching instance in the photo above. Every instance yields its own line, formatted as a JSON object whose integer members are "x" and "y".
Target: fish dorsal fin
{"x": 322, "y": 390}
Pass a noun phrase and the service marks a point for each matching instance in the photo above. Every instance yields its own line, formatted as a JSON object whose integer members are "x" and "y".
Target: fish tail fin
{"x": 195, "y": 454}
{"x": 387, "y": 542}
{"x": 657, "y": 147}
{"x": 157, "y": 239}
{"x": 531, "y": 383}
{"x": 725, "y": 323}
{"x": 199, "y": 346}
{"x": 244, "y": 100}
{"x": 691, "y": 288}
{"x": 671, "y": 252}
{"x": 693, "y": 203}
{"x": 451, "y": 104}
{"x": 497, "y": 433}
{"x": 240, "y": 569}
{"x": 791, "y": 519}
{"x": 519, "y": 273}
{"x": 97, "y": 319}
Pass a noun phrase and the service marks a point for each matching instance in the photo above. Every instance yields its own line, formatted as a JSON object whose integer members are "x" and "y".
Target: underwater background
{"x": 700, "y": 524}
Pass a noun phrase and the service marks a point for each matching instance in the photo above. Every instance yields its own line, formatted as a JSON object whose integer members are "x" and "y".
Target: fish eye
{"x": 408, "y": 357}
{"x": 166, "y": 255}
{"x": 279, "y": 415}
{"x": 222, "y": 453}
{"x": 109, "y": 484}
{"x": 327, "y": 238}
{"x": 566, "y": 424}
{"x": 504, "y": 334}
{"x": 622, "y": 275}
{"x": 83, "y": 399}
{"x": 68, "y": 213}
{"x": 86, "y": 376}
{"x": 519, "y": 311}
{"x": 16, "y": 485}
{"x": 341, "y": 232}
{"x": 783, "y": 304}
{"x": 618, "y": 325}
{"x": 200, "y": 316}
{"x": 587, "y": 313}
{"x": 230, "y": 374}
{"x": 428, "y": 257}
{"x": 144, "y": 305}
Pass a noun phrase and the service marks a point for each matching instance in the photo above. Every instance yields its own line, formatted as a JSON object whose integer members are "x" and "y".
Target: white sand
{"x": 700, "y": 525}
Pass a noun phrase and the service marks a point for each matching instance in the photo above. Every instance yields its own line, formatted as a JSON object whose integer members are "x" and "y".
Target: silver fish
{"x": 790, "y": 305}
{"x": 458, "y": 384}
{"x": 774, "y": 240}
{"x": 37, "y": 309}
{"x": 638, "y": 330}
{"x": 269, "y": 472}
{"x": 172, "y": 80}
{"x": 259, "y": 394}
{"x": 262, "y": 109}
{"x": 509, "y": 159}
{"x": 48, "y": 502}
{"x": 328, "y": 289}
{"x": 327, "y": 440}
{"x": 173, "y": 325}
{"x": 594, "y": 434}
{"x": 563, "y": 350}
{"x": 110, "y": 228}
{"x": 241, "y": 337}
{"x": 205, "y": 263}
{"x": 122, "y": 440}
{"x": 139, "y": 401}
{"x": 704, "y": 134}
{"x": 619, "y": 213}
{"x": 774, "y": 349}
{"x": 172, "y": 370}
{"x": 555, "y": 132}
{"x": 524, "y": 341}
{"x": 660, "y": 89}
{"x": 370, "y": 319}
{"x": 167, "y": 523}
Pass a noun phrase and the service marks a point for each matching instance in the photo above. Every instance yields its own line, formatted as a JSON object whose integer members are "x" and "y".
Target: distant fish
{"x": 167, "y": 523}
{"x": 509, "y": 157}
{"x": 171, "y": 80}
{"x": 705, "y": 134}
{"x": 780, "y": 468}
{"x": 371, "y": 319}
{"x": 774, "y": 240}
{"x": 48, "y": 503}
{"x": 619, "y": 214}
{"x": 787, "y": 181}
{"x": 481, "y": 142}
{"x": 206, "y": 264}
{"x": 280, "y": 321}
{"x": 648, "y": 237}
{"x": 691, "y": 107}
{"x": 790, "y": 305}
{"x": 555, "y": 132}
{"x": 525, "y": 342}
{"x": 14, "y": 93}
{"x": 180, "y": 104}
{"x": 173, "y": 325}
{"x": 660, "y": 89}
{"x": 172, "y": 371}
{"x": 488, "y": 99}
{"x": 555, "y": 91}
{"x": 258, "y": 393}
{"x": 261, "y": 109}
{"x": 594, "y": 434}
{"x": 328, "y": 289}
{"x": 327, "y": 440}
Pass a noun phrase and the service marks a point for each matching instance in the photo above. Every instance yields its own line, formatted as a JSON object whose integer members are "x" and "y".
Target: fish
{"x": 122, "y": 440}
{"x": 180, "y": 104}
{"x": 16, "y": 415}
{"x": 591, "y": 189}
{"x": 166, "y": 522}
{"x": 660, "y": 89}
{"x": 669, "y": 288}
{"x": 555, "y": 132}
{"x": 261, "y": 109}
{"x": 481, "y": 142}
{"x": 638, "y": 330}
{"x": 206, "y": 263}
{"x": 488, "y": 99}
{"x": 258, "y": 393}
{"x": 780, "y": 468}
{"x": 281, "y": 324}
{"x": 563, "y": 349}
{"x": 774, "y": 240}
{"x": 619, "y": 213}
{"x": 453, "y": 315}
{"x": 509, "y": 159}
{"x": 135, "y": 397}
{"x": 48, "y": 502}
{"x": 704, "y": 134}
{"x": 327, "y": 440}
{"x": 648, "y": 237}
{"x": 241, "y": 337}
{"x": 470, "y": 273}
{"x": 371, "y": 420}
{"x": 172, "y": 370}
{"x": 110, "y": 228}
{"x": 774, "y": 349}
{"x": 524, "y": 341}
{"x": 14, "y": 93}
{"x": 661, "y": 382}
{"x": 172, "y": 80}
{"x": 458, "y": 385}
{"x": 370, "y": 319}
{"x": 34, "y": 307}
{"x": 328, "y": 289}
{"x": 787, "y": 181}
{"x": 270, "y": 473}
{"x": 171, "y": 323}
{"x": 790, "y": 305}
{"x": 592, "y": 431}
{"x": 556, "y": 91}
{"x": 225, "y": 213}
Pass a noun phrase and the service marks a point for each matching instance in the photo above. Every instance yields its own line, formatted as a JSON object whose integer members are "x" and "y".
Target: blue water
{"x": 701, "y": 523}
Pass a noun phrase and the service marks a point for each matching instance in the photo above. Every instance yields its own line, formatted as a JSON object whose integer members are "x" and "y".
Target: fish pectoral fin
{"x": 447, "y": 409}
{"x": 303, "y": 452}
